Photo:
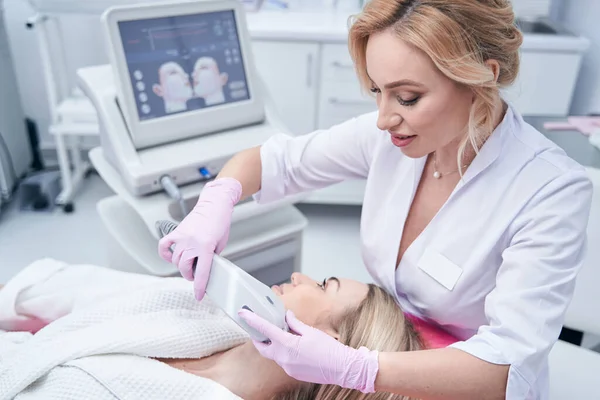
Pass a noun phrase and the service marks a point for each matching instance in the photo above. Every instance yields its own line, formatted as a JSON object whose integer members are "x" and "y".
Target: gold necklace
{"x": 437, "y": 174}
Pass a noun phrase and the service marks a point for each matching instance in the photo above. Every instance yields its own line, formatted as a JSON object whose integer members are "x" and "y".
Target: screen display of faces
{"x": 184, "y": 63}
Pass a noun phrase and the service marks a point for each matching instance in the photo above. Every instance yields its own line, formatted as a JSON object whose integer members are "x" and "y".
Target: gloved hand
{"x": 313, "y": 356}
{"x": 203, "y": 232}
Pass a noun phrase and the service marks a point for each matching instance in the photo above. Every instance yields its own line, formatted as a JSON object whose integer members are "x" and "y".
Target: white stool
{"x": 77, "y": 118}
{"x": 72, "y": 114}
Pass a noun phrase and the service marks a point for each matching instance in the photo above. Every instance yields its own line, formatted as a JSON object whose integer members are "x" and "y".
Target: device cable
{"x": 164, "y": 228}
{"x": 11, "y": 164}
{"x": 169, "y": 185}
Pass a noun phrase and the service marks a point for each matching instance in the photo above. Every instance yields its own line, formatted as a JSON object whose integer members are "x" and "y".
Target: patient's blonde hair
{"x": 459, "y": 36}
{"x": 377, "y": 324}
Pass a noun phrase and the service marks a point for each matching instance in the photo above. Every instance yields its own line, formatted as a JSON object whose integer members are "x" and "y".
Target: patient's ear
{"x": 158, "y": 90}
{"x": 332, "y": 332}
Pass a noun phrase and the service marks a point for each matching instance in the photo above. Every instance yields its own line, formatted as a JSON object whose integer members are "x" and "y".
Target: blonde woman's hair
{"x": 377, "y": 324}
{"x": 459, "y": 36}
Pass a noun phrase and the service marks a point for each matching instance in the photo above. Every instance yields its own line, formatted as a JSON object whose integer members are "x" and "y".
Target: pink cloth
{"x": 585, "y": 125}
{"x": 433, "y": 336}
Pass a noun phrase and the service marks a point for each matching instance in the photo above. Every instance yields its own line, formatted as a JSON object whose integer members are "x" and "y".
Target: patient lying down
{"x": 125, "y": 335}
{"x": 352, "y": 312}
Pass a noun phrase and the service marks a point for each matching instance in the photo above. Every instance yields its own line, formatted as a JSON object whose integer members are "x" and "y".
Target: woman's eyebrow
{"x": 393, "y": 85}
{"x": 333, "y": 278}
{"x": 403, "y": 82}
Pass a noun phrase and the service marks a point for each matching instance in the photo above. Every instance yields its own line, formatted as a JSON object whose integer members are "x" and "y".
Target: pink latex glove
{"x": 313, "y": 356}
{"x": 203, "y": 232}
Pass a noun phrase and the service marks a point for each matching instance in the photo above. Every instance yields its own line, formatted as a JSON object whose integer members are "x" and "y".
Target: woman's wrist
{"x": 246, "y": 168}
{"x": 361, "y": 370}
{"x": 371, "y": 368}
{"x": 230, "y": 187}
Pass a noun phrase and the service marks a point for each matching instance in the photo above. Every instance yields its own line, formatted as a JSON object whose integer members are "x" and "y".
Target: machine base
{"x": 268, "y": 247}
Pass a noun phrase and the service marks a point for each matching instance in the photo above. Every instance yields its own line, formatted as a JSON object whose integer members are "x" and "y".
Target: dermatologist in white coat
{"x": 472, "y": 219}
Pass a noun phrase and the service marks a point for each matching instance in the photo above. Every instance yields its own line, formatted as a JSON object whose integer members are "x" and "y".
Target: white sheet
{"x": 109, "y": 323}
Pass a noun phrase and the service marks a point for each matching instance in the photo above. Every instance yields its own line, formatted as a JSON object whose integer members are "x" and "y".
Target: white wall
{"x": 531, "y": 8}
{"x": 81, "y": 37}
{"x": 556, "y": 9}
{"x": 583, "y": 18}
{"x": 22, "y": 43}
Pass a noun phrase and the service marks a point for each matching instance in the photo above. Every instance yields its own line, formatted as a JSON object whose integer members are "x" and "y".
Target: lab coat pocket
{"x": 438, "y": 267}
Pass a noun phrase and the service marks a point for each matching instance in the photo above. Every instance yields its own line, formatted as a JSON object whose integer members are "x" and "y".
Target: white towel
{"x": 112, "y": 323}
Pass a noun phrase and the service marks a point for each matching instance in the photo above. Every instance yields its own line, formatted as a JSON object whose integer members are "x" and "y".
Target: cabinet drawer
{"x": 340, "y": 94}
{"x": 336, "y": 112}
{"x": 336, "y": 64}
{"x": 340, "y": 101}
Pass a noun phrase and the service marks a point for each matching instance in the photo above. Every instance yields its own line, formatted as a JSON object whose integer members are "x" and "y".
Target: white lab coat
{"x": 495, "y": 267}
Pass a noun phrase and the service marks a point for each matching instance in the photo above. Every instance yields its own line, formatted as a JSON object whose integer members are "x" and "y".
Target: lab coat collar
{"x": 491, "y": 149}
{"x": 488, "y": 153}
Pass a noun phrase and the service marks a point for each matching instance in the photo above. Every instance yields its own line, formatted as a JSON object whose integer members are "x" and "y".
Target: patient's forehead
{"x": 206, "y": 62}
{"x": 171, "y": 67}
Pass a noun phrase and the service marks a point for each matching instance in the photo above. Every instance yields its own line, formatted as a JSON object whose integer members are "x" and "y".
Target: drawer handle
{"x": 336, "y": 101}
{"x": 309, "y": 70}
{"x": 338, "y": 64}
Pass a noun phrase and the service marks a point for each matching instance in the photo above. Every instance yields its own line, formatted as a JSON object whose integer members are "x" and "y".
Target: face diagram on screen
{"x": 185, "y": 63}
{"x": 174, "y": 87}
{"x": 208, "y": 81}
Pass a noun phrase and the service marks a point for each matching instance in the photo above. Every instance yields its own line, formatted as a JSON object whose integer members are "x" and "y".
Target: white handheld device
{"x": 232, "y": 289}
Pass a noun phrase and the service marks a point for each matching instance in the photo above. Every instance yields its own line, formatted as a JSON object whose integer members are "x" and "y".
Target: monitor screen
{"x": 184, "y": 63}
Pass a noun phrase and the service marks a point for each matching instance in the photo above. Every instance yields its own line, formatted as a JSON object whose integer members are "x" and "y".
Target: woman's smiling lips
{"x": 402, "y": 140}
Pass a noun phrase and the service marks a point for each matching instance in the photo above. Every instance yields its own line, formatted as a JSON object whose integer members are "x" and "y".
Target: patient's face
{"x": 174, "y": 82}
{"x": 317, "y": 303}
{"x": 207, "y": 78}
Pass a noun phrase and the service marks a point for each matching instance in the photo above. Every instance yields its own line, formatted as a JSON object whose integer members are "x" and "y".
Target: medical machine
{"x": 233, "y": 289}
{"x": 193, "y": 63}
{"x": 72, "y": 117}
{"x": 180, "y": 97}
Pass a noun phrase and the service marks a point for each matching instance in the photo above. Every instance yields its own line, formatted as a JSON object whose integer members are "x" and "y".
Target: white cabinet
{"x": 340, "y": 94}
{"x": 290, "y": 73}
{"x": 310, "y": 93}
{"x": 545, "y": 83}
{"x": 340, "y": 98}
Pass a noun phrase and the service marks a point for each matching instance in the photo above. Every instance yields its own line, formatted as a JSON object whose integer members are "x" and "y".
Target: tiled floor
{"x": 28, "y": 236}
